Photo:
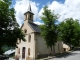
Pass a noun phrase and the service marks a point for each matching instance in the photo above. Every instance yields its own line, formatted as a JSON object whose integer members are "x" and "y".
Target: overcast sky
{"x": 65, "y": 8}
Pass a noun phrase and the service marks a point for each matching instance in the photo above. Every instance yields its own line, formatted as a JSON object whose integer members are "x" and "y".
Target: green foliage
{"x": 9, "y": 28}
{"x": 69, "y": 31}
{"x": 6, "y": 48}
{"x": 49, "y": 30}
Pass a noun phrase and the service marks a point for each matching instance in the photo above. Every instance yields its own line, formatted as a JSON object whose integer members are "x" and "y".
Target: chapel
{"x": 34, "y": 46}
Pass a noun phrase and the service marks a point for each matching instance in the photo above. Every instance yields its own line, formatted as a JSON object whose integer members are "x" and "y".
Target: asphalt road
{"x": 74, "y": 55}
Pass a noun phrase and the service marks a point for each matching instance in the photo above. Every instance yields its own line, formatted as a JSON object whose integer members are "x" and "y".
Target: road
{"x": 11, "y": 59}
{"x": 75, "y": 55}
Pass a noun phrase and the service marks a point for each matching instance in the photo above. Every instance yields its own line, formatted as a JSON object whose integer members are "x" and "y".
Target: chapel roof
{"x": 35, "y": 27}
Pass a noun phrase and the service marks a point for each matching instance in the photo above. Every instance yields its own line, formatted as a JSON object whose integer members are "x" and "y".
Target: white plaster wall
{"x": 56, "y": 48}
{"x": 37, "y": 44}
{"x": 41, "y": 45}
{"x": 27, "y": 44}
{"x": 59, "y": 47}
{"x": 26, "y": 26}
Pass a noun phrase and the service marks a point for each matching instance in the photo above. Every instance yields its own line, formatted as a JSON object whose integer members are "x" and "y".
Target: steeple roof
{"x": 29, "y": 8}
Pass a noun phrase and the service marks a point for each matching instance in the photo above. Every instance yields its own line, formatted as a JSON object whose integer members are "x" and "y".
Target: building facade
{"x": 35, "y": 46}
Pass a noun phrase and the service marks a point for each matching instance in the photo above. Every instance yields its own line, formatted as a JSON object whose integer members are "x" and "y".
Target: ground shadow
{"x": 60, "y": 55}
{"x": 67, "y": 54}
{"x": 76, "y": 49}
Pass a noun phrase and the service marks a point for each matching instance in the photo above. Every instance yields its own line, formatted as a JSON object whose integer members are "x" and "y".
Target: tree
{"x": 9, "y": 28}
{"x": 69, "y": 31}
{"x": 49, "y": 29}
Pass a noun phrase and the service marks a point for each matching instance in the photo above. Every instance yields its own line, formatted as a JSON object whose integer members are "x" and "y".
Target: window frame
{"x": 29, "y": 38}
{"x": 25, "y": 31}
{"x": 28, "y": 51}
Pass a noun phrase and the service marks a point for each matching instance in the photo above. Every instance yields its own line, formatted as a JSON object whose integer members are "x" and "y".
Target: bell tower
{"x": 29, "y": 15}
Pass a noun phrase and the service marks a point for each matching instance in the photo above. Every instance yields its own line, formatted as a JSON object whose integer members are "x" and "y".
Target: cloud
{"x": 70, "y": 8}
{"x": 21, "y": 7}
{"x": 38, "y": 23}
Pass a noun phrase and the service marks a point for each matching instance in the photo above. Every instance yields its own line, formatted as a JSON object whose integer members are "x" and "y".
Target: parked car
{"x": 4, "y": 57}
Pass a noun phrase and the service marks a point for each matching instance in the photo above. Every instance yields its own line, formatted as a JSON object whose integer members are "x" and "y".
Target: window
{"x": 28, "y": 51}
{"x": 18, "y": 50}
{"x": 25, "y": 31}
{"x": 25, "y": 17}
{"x": 29, "y": 38}
{"x": 23, "y": 52}
{"x": 30, "y": 17}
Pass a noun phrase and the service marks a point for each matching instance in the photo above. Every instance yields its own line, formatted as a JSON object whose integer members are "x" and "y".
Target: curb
{"x": 50, "y": 57}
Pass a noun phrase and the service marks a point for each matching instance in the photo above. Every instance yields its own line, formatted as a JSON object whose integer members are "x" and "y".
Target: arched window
{"x": 18, "y": 50}
{"x": 30, "y": 16}
{"x": 28, "y": 51}
{"x": 25, "y": 30}
{"x": 23, "y": 52}
{"x": 29, "y": 38}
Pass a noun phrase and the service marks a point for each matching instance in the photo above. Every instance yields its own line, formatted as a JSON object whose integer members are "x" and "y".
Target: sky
{"x": 65, "y": 8}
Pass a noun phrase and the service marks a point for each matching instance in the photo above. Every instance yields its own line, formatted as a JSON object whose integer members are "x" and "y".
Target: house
{"x": 35, "y": 45}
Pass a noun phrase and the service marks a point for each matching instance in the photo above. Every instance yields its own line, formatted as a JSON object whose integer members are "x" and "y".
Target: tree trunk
{"x": 54, "y": 49}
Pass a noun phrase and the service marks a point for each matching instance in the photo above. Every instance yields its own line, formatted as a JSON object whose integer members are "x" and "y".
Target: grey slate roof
{"x": 22, "y": 25}
{"x": 34, "y": 27}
